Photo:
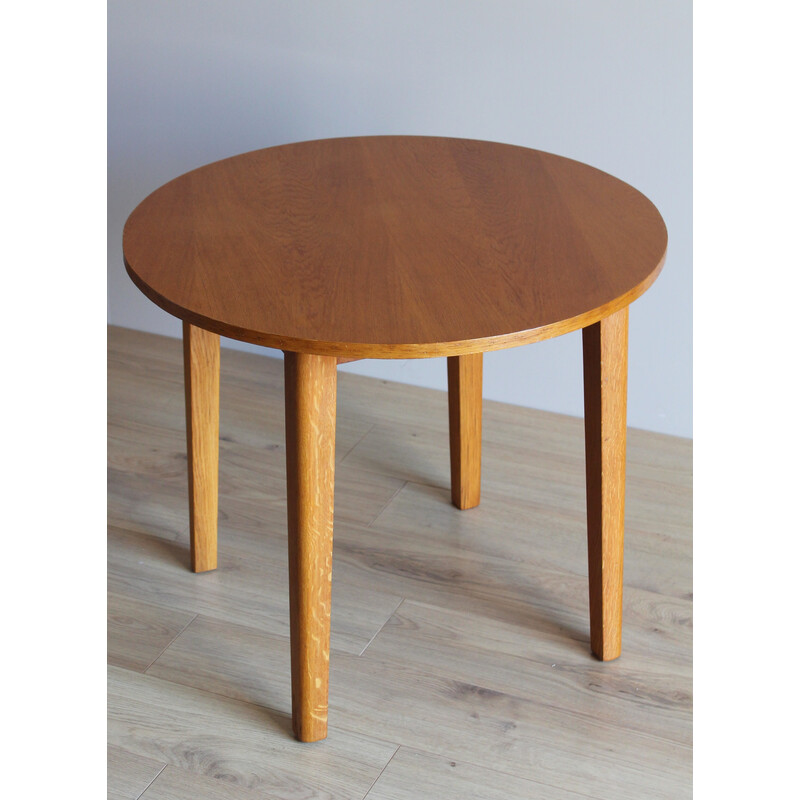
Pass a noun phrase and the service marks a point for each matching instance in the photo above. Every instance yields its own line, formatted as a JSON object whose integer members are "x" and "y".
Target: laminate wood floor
{"x": 460, "y": 664}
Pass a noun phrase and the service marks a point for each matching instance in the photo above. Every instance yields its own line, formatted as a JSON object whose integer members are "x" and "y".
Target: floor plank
{"x": 522, "y": 591}
{"x": 241, "y": 743}
{"x": 128, "y": 775}
{"x": 244, "y": 589}
{"x": 515, "y": 720}
{"x": 542, "y": 532}
{"x": 412, "y": 774}
{"x": 139, "y": 632}
{"x": 181, "y": 784}
{"x": 637, "y": 691}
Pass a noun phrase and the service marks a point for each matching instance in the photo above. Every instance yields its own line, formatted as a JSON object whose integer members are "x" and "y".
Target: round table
{"x": 396, "y": 247}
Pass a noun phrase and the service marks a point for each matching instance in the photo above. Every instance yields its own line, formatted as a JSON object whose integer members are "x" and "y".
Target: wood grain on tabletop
{"x": 394, "y": 246}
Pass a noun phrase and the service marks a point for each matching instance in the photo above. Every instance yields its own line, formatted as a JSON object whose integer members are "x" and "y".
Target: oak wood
{"x": 605, "y": 369}
{"x": 465, "y": 400}
{"x": 201, "y": 385}
{"x": 394, "y": 246}
{"x": 388, "y": 247}
{"x": 310, "y": 449}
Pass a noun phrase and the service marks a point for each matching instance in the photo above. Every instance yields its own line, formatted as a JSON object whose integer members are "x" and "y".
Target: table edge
{"x": 359, "y": 350}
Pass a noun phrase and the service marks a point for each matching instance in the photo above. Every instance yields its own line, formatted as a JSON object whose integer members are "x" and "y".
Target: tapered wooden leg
{"x": 605, "y": 376}
{"x": 310, "y": 384}
{"x": 201, "y": 383}
{"x": 465, "y": 398}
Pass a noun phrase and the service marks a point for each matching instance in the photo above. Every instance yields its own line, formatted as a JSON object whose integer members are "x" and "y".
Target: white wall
{"x": 608, "y": 82}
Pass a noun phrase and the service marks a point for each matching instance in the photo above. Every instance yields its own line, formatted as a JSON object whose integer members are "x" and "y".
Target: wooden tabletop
{"x": 394, "y": 246}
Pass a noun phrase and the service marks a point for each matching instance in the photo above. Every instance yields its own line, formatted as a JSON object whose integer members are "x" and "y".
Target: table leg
{"x": 310, "y": 386}
{"x": 201, "y": 384}
{"x": 465, "y": 398}
{"x": 605, "y": 375}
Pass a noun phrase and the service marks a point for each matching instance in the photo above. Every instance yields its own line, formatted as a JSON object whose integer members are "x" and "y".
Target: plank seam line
{"x": 388, "y": 503}
{"x": 361, "y": 439}
{"x": 172, "y": 641}
{"x": 386, "y": 622}
{"x": 372, "y": 785}
{"x": 155, "y": 778}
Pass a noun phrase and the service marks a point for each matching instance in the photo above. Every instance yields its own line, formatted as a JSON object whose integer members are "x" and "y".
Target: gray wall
{"x": 608, "y": 82}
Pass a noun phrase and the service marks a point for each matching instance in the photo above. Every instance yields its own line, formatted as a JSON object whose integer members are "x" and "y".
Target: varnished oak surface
{"x": 605, "y": 380}
{"x": 460, "y": 661}
{"x": 465, "y": 399}
{"x": 201, "y": 387}
{"x": 394, "y": 246}
{"x": 310, "y": 383}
